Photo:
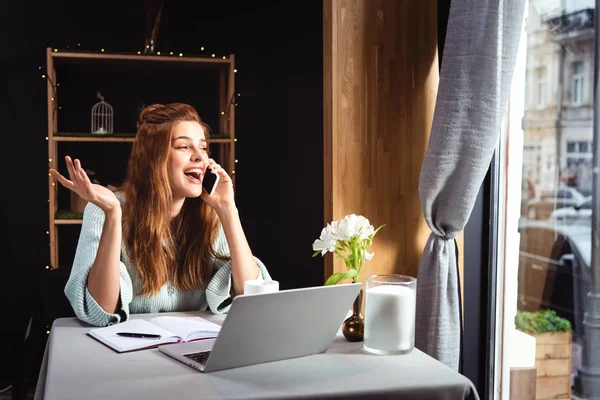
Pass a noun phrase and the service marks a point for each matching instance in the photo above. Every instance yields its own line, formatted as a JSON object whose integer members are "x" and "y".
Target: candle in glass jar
{"x": 390, "y": 318}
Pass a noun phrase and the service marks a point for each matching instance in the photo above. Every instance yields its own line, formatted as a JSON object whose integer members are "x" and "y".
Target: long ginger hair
{"x": 164, "y": 249}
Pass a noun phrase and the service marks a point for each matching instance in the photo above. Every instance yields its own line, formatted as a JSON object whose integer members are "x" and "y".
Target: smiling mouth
{"x": 194, "y": 176}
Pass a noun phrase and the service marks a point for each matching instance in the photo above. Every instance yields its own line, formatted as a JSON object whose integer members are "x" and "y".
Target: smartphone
{"x": 210, "y": 181}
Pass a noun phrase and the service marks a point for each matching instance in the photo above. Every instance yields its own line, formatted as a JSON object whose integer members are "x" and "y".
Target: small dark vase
{"x": 354, "y": 326}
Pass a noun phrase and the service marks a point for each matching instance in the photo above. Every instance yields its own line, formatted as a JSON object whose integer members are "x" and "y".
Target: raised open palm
{"x": 80, "y": 183}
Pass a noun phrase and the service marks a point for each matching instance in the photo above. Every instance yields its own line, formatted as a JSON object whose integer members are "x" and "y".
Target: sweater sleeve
{"x": 218, "y": 291}
{"x": 85, "y": 306}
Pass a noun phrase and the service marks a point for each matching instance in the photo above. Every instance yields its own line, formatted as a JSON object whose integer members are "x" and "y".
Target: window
{"x": 577, "y": 83}
{"x": 584, "y": 147}
{"x": 545, "y": 245}
{"x": 541, "y": 86}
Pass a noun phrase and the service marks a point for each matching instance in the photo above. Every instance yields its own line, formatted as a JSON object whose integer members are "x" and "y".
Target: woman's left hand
{"x": 223, "y": 195}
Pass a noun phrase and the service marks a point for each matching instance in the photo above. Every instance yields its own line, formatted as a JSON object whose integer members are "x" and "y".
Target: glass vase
{"x": 390, "y": 308}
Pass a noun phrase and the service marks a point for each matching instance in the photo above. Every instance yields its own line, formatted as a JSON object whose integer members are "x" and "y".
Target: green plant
{"x": 541, "y": 321}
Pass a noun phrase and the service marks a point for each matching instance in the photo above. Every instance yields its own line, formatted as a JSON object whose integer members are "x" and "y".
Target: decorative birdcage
{"x": 102, "y": 117}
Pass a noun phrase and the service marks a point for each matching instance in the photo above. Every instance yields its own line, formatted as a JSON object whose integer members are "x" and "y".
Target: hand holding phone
{"x": 210, "y": 181}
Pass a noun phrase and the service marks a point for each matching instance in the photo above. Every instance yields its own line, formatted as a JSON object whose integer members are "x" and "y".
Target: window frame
{"x": 577, "y": 83}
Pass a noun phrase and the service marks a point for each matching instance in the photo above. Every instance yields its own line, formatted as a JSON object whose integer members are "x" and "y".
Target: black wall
{"x": 279, "y": 124}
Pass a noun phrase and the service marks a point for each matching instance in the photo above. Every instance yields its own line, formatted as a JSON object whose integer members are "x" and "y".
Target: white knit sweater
{"x": 216, "y": 295}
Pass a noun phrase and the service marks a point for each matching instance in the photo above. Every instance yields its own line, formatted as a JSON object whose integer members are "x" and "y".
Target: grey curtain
{"x": 478, "y": 61}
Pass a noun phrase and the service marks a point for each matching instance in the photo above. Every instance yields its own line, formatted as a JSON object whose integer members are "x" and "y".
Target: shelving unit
{"x": 224, "y": 139}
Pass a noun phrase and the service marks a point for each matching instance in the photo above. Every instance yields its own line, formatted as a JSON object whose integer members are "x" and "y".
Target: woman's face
{"x": 188, "y": 159}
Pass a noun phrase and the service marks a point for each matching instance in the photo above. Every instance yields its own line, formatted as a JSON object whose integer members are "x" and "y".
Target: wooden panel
{"x": 553, "y": 338}
{"x": 69, "y": 56}
{"x": 93, "y": 139}
{"x": 553, "y": 364}
{"x": 68, "y": 221}
{"x": 522, "y": 383}
{"x": 380, "y": 83}
{"x": 231, "y": 116}
{"x": 558, "y": 367}
{"x": 553, "y": 387}
{"x": 51, "y": 101}
{"x": 552, "y": 351}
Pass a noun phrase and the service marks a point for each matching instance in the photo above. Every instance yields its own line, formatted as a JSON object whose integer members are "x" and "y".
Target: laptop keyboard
{"x": 199, "y": 357}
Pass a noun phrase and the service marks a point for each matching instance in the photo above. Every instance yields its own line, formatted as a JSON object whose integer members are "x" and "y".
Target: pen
{"x": 139, "y": 335}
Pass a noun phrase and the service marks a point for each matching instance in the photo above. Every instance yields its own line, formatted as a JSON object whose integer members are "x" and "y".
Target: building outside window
{"x": 548, "y": 243}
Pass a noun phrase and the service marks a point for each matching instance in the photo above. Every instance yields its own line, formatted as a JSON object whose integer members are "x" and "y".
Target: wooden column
{"x": 380, "y": 83}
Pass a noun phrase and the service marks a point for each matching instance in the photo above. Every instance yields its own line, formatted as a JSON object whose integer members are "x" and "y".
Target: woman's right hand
{"x": 80, "y": 183}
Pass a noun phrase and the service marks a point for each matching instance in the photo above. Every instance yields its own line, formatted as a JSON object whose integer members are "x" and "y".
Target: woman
{"x": 164, "y": 244}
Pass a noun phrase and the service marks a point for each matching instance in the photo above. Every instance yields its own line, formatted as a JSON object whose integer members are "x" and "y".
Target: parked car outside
{"x": 579, "y": 214}
{"x": 542, "y": 206}
{"x": 554, "y": 269}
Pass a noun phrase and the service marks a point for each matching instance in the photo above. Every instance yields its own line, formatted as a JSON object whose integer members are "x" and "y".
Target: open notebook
{"x": 171, "y": 330}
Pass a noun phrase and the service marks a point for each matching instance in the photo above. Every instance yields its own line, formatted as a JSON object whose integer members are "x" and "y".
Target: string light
{"x": 158, "y": 53}
{"x": 171, "y": 53}
{"x": 47, "y": 267}
{"x": 47, "y": 332}
{"x": 239, "y": 94}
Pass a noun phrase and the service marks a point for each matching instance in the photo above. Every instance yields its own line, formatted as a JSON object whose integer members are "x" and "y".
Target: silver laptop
{"x": 268, "y": 327}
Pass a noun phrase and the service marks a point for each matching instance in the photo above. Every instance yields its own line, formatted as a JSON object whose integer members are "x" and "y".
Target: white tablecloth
{"x": 75, "y": 366}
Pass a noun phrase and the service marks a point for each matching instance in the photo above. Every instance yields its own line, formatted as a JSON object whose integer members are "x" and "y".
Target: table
{"x": 75, "y": 366}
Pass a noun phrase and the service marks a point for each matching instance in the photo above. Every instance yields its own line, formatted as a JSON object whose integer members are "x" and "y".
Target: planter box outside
{"x": 553, "y": 365}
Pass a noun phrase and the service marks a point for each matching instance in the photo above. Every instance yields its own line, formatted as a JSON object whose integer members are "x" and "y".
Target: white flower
{"x": 325, "y": 242}
{"x": 365, "y": 228}
{"x": 349, "y": 239}
{"x": 352, "y": 225}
